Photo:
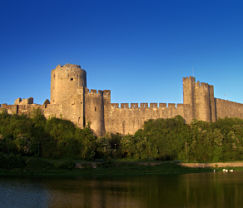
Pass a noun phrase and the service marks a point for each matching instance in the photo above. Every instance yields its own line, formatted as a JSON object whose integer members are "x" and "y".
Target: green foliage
{"x": 172, "y": 139}
{"x": 11, "y": 161}
{"x": 38, "y": 163}
{"x": 107, "y": 164}
{"x": 109, "y": 147}
{"x": 161, "y": 139}
{"x": 65, "y": 164}
{"x": 52, "y": 138}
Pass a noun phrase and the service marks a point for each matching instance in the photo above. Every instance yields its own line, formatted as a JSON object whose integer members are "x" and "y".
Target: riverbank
{"x": 213, "y": 165}
{"x": 106, "y": 170}
{"x": 44, "y": 168}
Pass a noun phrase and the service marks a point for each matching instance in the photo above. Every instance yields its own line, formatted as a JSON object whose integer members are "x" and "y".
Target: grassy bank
{"x": 18, "y": 166}
{"x": 105, "y": 170}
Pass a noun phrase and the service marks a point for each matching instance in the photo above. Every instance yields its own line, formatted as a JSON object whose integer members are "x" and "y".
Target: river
{"x": 182, "y": 191}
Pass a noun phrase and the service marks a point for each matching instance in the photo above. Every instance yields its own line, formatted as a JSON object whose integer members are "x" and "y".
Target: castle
{"x": 72, "y": 100}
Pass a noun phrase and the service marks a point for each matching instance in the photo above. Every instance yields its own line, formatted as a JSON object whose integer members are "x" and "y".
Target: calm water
{"x": 191, "y": 190}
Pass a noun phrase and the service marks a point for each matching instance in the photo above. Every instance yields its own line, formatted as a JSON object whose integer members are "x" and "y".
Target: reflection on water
{"x": 22, "y": 194}
{"x": 191, "y": 190}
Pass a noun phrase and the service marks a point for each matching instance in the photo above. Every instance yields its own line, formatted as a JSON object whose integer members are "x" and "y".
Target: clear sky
{"x": 139, "y": 49}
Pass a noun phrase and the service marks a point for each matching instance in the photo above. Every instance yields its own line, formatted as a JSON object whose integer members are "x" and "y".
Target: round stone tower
{"x": 65, "y": 80}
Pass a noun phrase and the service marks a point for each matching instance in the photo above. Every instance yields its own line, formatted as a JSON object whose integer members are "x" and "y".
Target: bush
{"x": 11, "y": 161}
{"x": 107, "y": 164}
{"x": 66, "y": 164}
{"x": 37, "y": 163}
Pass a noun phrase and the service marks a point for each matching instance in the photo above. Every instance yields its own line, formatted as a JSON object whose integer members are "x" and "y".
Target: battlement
{"x": 46, "y": 102}
{"x": 202, "y": 85}
{"x": 68, "y": 67}
{"x": 153, "y": 105}
{"x": 115, "y": 105}
{"x": 197, "y": 84}
{"x": 147, "y": 105}
{"x": 134, "y": 105}
{"x": 93, "y": 92}
{"x": 189, "y": 78}
{"x": 172, "y": 105}
{"x": 20, "y": 101}
{"x": 143, "y": 105}
{"x": 71, "y": 72}
{"x": 106, "y": 92}
{"x": 162, "y": 105}
{"x": 124, "y": 105}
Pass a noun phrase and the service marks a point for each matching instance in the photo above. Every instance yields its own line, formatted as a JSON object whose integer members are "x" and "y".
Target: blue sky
{"x": 139, "y": 49}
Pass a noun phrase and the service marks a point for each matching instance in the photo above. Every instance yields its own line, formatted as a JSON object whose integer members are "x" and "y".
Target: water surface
{"x": 190, "y": 190}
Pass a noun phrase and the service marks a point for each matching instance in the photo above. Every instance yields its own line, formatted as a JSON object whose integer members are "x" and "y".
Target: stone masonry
{"x": 72, "y": 100}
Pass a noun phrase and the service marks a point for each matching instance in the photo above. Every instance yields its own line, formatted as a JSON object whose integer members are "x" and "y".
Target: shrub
{"x": 66, "y": 164}
{"x": 11, "y": 161}
{"x": 107, "y": 164}
{"x": 37, "y": 163}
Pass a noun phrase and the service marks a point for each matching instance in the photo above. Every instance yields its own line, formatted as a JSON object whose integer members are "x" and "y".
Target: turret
{"x": 202, "y": 102}
{"x": 94, "y": 111}
{"x": 200, "y": 96}
{"x": 189, "y": 94}
{"x": 65, "y": 80}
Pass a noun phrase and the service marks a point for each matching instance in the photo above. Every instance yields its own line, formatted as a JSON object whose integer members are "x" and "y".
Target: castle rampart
{"x": 72, "y": 100}
{"x": 128, "y": 118}
{"x": 227, "y": 108}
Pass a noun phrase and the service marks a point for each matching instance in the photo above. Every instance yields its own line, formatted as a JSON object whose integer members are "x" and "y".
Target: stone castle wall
{"x": 19, "y": 109}
{"x": 127, "y": 118}
{"x": 229, "y": 109}
{"x": 72, "y": 100}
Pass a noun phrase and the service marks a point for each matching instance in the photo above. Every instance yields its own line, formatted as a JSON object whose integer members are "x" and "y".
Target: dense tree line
{"x": 161, "y": 139}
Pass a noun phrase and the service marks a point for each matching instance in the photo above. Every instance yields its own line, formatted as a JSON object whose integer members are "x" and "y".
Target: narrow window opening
{"x": 95, "y": 108}
{"x": 71, "y": 79}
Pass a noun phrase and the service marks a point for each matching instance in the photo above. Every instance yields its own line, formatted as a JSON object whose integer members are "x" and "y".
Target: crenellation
{"x": 190, "y": 78}
{"x": 172, "y": 105}
{"x": 46, "y": 102}
{"x": 18, "y": 101}
{"x": 134, "y": 105}
{"x": 106, "y": 92}
{"x": 107, "y": 97}
{"x": 27, "y": 101}
{"x": 93, "y": 91}
{"x": 162, "y": 105}
{"x": 202, "y": 85}
{"x": 153, "y": 105}
{"x": 124, "y": 105}
{"x": 143, "y": 105}
{"x": 115, "y": 105}
{"x": 198, "y": 84}
{"x": 205, "y": 86}
{"x": 179, "y": 105}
